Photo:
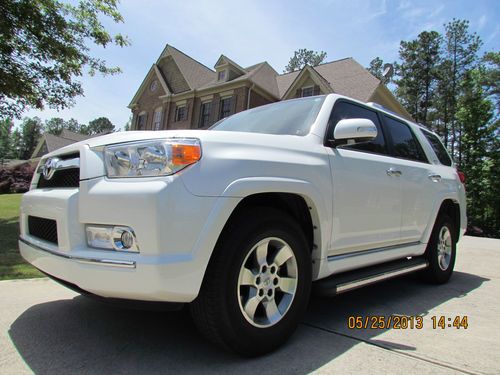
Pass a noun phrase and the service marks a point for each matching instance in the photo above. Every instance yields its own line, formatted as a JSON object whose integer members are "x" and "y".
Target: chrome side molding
{"x": 93, "y": 261}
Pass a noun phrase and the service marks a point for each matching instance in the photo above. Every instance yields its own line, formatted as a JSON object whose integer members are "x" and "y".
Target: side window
{"x": 141, "y": 121}
{"x": 345, "y": 110}
{"x": 405, "y": 145}
{"x": 437, "y": 146}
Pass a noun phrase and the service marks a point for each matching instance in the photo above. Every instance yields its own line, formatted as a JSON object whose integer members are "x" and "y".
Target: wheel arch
{"x": 451, "y": 208}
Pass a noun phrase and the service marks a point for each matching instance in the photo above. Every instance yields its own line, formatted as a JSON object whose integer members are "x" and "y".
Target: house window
{"x": 222, "y": 75}
{"x": 206, "y": 109}
{"x": 307, "y": 91}
{"x": 157, "y": 119}
{"x": 141, "y": 121}
{"x": 225, "y": 107}
{"x": 180, "y": 113}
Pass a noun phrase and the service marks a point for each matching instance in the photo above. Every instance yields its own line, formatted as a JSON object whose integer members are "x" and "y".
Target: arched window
{"x": 157, "y": 118}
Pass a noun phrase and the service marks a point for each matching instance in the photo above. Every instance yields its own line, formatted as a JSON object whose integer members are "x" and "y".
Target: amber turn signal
{"x": 183, "y": 154}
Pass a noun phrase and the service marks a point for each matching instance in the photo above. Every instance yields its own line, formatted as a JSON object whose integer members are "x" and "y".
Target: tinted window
{"x": 438, "y": 148}
{"x": 404, "y": 143}
{"x": 293, "y": 117}
{"x": 344, "y": 110}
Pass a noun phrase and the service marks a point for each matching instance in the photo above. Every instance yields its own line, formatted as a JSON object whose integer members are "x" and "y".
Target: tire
{"x": 441, "y": 251}
{"x": 235, "y": 308}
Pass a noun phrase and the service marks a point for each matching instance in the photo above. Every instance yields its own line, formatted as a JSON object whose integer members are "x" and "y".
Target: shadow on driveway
{"x": 84, "y": 336}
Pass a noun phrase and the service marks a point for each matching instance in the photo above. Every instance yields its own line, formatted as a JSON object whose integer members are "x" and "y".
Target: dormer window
{"x": 307, "y": 91}
{"x": 222, "y": 75}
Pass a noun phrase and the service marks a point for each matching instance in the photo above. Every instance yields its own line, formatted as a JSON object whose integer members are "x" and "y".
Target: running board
{"x": 350, "y": 280}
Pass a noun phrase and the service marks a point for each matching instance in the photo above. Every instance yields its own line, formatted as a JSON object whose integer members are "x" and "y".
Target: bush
{"x": 16, "y": 179}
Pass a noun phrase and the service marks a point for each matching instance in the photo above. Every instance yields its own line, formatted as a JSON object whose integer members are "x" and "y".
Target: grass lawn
{"x": 12, "y": 265}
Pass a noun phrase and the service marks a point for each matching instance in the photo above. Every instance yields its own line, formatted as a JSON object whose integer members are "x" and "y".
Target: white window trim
{"x": 157, "y": 121}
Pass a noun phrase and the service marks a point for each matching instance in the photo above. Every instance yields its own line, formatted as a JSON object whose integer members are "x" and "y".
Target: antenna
{"x": 387, "y": 72}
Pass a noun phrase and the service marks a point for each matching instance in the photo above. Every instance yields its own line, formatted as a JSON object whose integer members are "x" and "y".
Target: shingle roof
{"x": 345, "y": 77}
{"x": 68, "y": 134}
{"x": 285, "y": 80}
{"x": 54, "y": 142}
{"x": 195, "y": 73}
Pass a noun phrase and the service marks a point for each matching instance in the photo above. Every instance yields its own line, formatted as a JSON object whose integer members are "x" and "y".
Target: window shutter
{"x": 316, "y": 90}
{"x": 298, "y": 93}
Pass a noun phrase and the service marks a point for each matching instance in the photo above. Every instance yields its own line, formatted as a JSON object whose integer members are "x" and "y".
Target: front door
{"x": 366, "y": 188}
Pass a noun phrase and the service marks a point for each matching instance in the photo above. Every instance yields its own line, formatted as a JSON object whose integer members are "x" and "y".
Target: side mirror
{"x": 355, "y": 130}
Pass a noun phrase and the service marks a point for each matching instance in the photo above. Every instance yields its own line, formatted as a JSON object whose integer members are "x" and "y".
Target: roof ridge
{"x": 326, "y": 63}
{"x": 189, "y": 57}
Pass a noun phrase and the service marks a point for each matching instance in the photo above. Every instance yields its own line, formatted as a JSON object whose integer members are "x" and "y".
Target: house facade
{"x": 179, "y": 92}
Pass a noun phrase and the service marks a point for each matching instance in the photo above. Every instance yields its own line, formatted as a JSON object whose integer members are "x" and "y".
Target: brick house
{"x": 178, "y": 92}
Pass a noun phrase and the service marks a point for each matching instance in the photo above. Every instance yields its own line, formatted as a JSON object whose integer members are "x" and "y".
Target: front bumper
{"x": 166, "y": 218}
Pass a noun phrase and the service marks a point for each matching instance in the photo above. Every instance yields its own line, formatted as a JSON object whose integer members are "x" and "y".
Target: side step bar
{"x": 350, "y": 280}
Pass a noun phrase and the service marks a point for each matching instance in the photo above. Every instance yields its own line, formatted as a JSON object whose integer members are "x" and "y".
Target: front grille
{"x": 62, "y": 178}
{"x": 44, "y": 229}
{"x": 67, "y": 172}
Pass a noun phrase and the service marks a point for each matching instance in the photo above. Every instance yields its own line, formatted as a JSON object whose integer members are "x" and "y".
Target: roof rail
{"x": 380, "y": 106}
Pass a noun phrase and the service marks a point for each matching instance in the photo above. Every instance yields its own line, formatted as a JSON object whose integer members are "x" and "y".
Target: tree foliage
{"x": 303, "y": 57}
{"x": 45, "y": 47}
{"x": 444, "y": 83}
{"x": 417, "y": 73}
{"x": 101, "y": 125}
{"x": 31, "y": 131}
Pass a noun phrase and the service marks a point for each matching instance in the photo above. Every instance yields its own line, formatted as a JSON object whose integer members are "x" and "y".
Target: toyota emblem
{"x": 49, "y": 168}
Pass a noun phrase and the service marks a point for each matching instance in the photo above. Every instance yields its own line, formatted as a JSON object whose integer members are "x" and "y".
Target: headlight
{"x": 151, "y": 158}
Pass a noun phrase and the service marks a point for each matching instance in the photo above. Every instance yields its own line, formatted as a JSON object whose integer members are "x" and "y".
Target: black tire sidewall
{"x": 434, "y": 272}
{"x": 248, "y": 339}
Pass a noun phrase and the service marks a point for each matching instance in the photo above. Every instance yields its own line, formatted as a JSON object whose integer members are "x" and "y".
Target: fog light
{"x": 127, "y": 239}
{"x": 111, "y": 238}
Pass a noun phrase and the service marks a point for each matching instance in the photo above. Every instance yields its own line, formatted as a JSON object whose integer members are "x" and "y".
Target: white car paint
{"x": 177, "y": 219}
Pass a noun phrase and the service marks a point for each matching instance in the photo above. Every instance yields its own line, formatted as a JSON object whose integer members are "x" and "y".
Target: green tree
{"x": 55, "y": 126}
{"x": 460, "y": 56}
{"x": 100, "y": 125}
{"x": 45, "y": 46}
{"x": 304, "y": 57}
{"x": 5, "y": 139}
{"x": 376, "y": 67}
{"x": 474, "y": 114}
{"x": 31, "y": 131}
{"x": 490, "y": 76}
{"x": 417, "y": 74}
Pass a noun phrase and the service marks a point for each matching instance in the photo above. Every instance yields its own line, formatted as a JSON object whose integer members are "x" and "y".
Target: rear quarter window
{"x": 441, "y": 153}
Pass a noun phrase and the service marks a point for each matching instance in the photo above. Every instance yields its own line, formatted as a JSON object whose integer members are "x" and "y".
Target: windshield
{"x": 291, "y": 117}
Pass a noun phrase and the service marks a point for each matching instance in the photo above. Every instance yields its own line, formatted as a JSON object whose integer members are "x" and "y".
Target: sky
{"x": 252, "y": 31}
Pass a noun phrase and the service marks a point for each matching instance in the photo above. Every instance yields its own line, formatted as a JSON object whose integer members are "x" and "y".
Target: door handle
{"x": 434, "y": 177}
{"x": 393, "y": 172}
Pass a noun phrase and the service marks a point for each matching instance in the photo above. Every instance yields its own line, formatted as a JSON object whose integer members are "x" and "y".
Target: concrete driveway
{"x": 45, "y": 328}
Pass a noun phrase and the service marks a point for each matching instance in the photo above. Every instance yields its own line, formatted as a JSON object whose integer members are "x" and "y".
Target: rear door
{"x": 419, "y": 185}
{"x": 366, "y": 195}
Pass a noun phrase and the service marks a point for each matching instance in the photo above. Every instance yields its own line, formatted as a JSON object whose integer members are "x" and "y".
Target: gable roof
{"x": 153, "y": 70}
{"x": 346, "y": 77}
{"x": 223, "y": 60}
{"x": 195, "y": 73}
{"x": 314, "y": 75}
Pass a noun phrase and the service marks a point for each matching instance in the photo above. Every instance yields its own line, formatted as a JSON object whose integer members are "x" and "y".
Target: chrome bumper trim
{"x": 93, "y": 261}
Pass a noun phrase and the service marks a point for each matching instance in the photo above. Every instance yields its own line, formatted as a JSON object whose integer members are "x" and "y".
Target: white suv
{"x": 242, "y": 220}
